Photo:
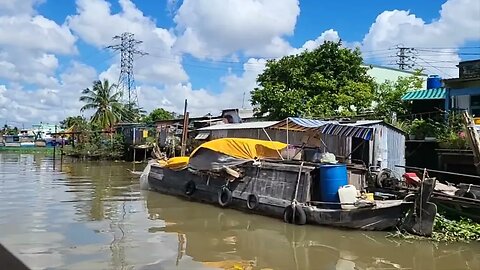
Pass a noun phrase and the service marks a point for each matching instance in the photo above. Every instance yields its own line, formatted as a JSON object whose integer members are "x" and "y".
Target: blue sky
{"x": 209, "y": 51}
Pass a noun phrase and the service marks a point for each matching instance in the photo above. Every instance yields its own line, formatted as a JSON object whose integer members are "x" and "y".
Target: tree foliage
{"x": 77, "y": 123}
{"x": 157, "y": 115}
{"x": 329, "y": 80}
{"x": 388, "y": 95}
{"x": 132, "y": 113}
{"x": 9, "y": 131}
{"x": 104, "y": 99}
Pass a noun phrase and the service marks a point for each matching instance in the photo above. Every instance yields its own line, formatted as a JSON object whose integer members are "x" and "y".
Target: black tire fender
{"x": 224, "y": 196}
{"x": 410, "y": 197}
{"x": 252, "y": 201}
{"x": 190, "y": 188}
{"x": 294, "y": 214}
{"x": 466, "y": 194}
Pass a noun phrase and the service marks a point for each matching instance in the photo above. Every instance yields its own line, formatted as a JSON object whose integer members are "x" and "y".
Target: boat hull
{"x": 274, "y": 187}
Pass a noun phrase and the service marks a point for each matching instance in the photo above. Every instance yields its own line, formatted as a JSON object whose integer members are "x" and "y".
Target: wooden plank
{"x": 473, "y": 139}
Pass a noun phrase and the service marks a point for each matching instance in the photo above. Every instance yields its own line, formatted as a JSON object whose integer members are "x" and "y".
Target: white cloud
{"x": 328, "y": 35}
{"x": 235, "y": 86}
{"x": 35, "y": 33}
{"x": 29, "y": 44}
{"x": 201, "y": 101}
{"x": 161, "y": 66}
{"x": 218, "y": 28}
{"x": 22, "y": 106}
{"x": 18, "y": 6}
{"x": 458, "y": 23}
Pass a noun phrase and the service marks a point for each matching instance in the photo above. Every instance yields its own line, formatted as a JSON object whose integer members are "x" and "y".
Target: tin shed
{"x": 387, "y": 147}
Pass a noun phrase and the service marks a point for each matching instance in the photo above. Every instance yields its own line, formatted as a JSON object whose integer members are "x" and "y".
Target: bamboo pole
{"x": 184, "y": 130}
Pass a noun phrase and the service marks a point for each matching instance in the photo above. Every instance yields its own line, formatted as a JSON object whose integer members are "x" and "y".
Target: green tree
{"x": 76, "y": 122}
{"x": 105, "y": 101}
{"x": 157, "y": 115}
{"x": 132, "y": 113}
{"x": 329, "y": 80}
{"x": 388, "y": 95}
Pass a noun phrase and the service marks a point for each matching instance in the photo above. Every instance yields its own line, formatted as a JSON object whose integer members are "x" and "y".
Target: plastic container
{"x": 434, "y": 82}
{"x": 332, "y": 177}
{"x": 348, "y": 194}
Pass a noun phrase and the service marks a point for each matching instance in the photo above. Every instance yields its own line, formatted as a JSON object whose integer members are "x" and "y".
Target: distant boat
{"x": 19, "y": 140}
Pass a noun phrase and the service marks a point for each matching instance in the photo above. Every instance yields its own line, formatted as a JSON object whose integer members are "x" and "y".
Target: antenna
{"x": 126, "y": 81}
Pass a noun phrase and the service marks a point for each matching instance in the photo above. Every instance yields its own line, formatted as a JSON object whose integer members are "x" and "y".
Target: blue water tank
{"x": 332, "y": 177}
{"x": 434, "y": 81}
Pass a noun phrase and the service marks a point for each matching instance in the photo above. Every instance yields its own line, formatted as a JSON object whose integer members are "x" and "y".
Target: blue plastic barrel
{"x": 434, "y": 82}
{"x": 332, "y": 177}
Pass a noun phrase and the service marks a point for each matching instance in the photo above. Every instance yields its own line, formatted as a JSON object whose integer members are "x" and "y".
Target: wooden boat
{"x": 455, "y": 201}
{"x": 257, "y": 184}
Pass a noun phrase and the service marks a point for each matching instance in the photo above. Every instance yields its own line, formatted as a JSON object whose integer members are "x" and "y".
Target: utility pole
{"x": 126, "y": 81}
{"x": 406, "y": 60}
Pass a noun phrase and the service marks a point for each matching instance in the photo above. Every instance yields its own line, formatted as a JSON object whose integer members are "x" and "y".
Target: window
{"x": 475, "y": 105}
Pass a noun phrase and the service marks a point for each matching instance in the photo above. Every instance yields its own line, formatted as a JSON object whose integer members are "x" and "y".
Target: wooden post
{"x": 288, "y": 148}
{"x": 54, "y": 146}
{"x": 473, "y": 139}
{"x": 184, "y": 130}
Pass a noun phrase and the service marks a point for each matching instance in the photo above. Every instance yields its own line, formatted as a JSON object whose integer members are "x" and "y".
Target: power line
{"x": 435, "y": 67}
{"x": 406, "y": 60}
{"x": 126, "y": 80}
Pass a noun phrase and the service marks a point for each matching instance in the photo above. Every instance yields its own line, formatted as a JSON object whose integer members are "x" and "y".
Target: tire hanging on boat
{"x": 224, "y": 196}
{"x": 190, "y": 188}
{"x": 297, "y": 211}
{"x": 252, "y": 201}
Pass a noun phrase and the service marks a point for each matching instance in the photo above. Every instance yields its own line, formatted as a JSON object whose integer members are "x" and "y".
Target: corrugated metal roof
{"x": 364, "y": 133}
{"x": 437, "y": 93}
{"x": 202, "y": 136}
{"x": 367, "y": 123}
{"x": 247, "y": 125}
{"x": 300, "y": 124}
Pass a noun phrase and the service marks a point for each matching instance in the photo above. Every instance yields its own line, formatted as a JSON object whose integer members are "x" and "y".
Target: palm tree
{"x": 132, "y": 113}
{"x": 105, "y": 100}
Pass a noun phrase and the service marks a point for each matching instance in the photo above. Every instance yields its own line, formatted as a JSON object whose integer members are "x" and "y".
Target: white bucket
{"x": 348, "y": 194}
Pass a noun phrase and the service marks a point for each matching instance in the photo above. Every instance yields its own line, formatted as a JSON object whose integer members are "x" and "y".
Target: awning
{"x": 364, "y": 133}
{"x": 202, "y": 136}
{"x": 437, "y": 93}
{"x": 300, "y": 124}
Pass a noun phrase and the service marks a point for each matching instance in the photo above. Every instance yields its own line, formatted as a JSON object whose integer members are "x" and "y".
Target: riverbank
{"x": 26, "y": 150}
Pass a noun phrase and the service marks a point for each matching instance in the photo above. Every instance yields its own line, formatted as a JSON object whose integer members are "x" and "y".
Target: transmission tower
{"x": 126, "y": 81}
{"x": 406, "y": 57}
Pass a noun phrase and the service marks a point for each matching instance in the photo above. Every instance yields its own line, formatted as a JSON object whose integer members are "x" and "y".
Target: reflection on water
{"x": 92, "y": 215}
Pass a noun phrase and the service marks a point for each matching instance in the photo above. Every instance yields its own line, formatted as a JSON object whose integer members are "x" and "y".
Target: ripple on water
{"x": 92, "y": 215}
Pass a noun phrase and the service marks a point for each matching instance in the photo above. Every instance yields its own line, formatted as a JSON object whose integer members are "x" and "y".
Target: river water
{"x": 92, "y": 215}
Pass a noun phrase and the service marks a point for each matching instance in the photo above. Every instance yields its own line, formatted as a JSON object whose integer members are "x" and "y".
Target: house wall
{"x": 339, "y": 146}
{"x": 389, "y": 148}
{"x": 381, "y": 74}
{"x": 462, "y": 103}
{"x": 275, "y": 135}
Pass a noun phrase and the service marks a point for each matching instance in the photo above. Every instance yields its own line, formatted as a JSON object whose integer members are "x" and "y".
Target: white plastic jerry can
{"x": 348, "y": 194}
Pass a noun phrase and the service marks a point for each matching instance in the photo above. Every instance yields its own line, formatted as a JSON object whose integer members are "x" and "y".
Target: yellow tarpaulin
{"x": 175, "y": 163}
{"x": 244, "y": 148}
{"x": 235, "y": 147}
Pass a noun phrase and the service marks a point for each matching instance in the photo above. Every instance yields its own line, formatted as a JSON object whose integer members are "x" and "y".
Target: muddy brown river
{"x": 93, "y": 215}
